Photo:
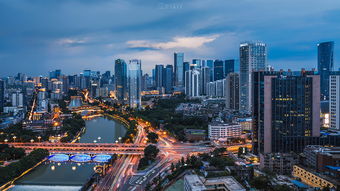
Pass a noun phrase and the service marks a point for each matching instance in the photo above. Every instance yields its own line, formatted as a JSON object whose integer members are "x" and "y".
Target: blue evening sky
{"x": 37, "y": 36}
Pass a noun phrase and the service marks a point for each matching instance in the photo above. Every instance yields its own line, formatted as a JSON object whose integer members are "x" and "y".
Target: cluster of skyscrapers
{"x": 128, "y": 82}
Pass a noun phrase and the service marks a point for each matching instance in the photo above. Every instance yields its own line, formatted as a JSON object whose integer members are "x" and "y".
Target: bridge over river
{"x": 88, "y": 148}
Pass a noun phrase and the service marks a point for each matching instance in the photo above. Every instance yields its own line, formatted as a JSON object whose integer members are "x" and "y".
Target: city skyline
{"x": 39, "y": 38}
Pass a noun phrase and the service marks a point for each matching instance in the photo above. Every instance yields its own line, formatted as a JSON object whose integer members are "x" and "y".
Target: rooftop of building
{"x": 194, "y": 182}
{"x": 221, "y": 123}
{"x": 230, "y": 182}
{"x": 325, "y": 177}
{"x": 195, "y": 131}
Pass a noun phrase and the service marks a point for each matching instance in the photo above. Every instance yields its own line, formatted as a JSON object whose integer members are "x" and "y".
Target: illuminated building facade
{"x": 134, "y": 83}
{"x": 253, "y": 56}
{"x": 286, "y": 110}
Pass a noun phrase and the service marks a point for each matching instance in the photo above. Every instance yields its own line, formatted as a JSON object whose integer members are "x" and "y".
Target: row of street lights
{"x": 99, "y": 138}
{"x": 14, "y": 137}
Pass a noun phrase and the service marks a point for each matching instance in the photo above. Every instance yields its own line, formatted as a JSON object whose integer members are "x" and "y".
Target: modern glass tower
{"x": 229, "y": 67}
{"x": 134, "y": 83}
{"x": 168, "y": 78}
{"x": 325, "y": 66}
{"x": 179, "y": 69}
{"x": 159, "y": 78}
{"x": 121, "y": 79}
{"x": 205, "y": 79}
{"x": 218, "y": 70}
{"x": 286, "y": 111}
{"x": 253, "y": 56}
{"x": 2, "y": 94}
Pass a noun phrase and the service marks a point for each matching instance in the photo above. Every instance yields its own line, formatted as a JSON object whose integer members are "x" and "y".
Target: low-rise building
{"x": 280, "y": 163}
{"x": 312, "y": 178}
{"x": 193, "y": 183}
{"x": 223, "y": 131}
{"x": 197, "y": 183}
{"x": 323, "y": 159}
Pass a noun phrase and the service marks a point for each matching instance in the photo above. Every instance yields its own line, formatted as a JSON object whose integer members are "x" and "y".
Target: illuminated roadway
{"x": 88, "y": 148}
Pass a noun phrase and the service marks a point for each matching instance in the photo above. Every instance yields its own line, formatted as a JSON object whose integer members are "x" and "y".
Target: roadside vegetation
{"x": 72, "y": 126}
{"x": 150, "y": 154}
{"x": 14, "y": 169}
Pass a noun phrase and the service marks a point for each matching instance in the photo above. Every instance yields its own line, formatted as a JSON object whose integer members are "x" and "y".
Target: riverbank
{"x": 68, "y": 175}
{"x": 29, "y": 160}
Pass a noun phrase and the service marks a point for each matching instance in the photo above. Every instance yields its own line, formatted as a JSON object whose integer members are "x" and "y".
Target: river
{"x": 71, "y": 176}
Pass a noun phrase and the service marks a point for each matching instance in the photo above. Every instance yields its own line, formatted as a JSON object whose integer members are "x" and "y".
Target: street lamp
{"x": 39, "y": 138}
{"x": 120, "y": 139}
{"x": 116, "y": 141}
{"x": 32, "y": 140}
{"x": 14, "y": 137}
{"x": 99, "y": 138}
{"x": 95, "y": 141}
{"x": 6, "y": 140}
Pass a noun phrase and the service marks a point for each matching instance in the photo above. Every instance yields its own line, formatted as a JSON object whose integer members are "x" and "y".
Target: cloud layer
{"x": 38, "y": 36}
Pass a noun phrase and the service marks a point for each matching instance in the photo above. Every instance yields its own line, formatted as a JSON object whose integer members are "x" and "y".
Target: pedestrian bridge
{"x": 85, "y": 148}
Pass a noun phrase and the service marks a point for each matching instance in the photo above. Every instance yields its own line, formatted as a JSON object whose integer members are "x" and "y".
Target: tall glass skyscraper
{"x": 286, "y": 111}
{"x": 229, "y": 67}
{"x": 134, "y": 83}
{"x": 168, "y": 78}
{"x": 218, "y": 70}
{"x": 253, "y": 57}
{"x": 2, "y": 94}
{"x": 159, "y": 76}
{"x": 121, "y": 79}
{"x": 179, "y": 69}
{"x": 325, "y": 66}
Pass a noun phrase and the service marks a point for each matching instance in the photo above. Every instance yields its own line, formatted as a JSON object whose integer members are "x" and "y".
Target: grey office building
{"x": 168, "y": 78}
{"x": 135, "y": 83}
{"x": 325, "y": 66}
{"x": 121, "y": 79}
{"x": 2, "y": 95}
{"x": 179, "y": 69}
{"x": 253, "y": 56}
{"x": 286, "y": 111}
{"x": 232, "y": 91}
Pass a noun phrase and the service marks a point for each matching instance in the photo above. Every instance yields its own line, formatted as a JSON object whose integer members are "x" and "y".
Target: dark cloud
{"x": 40, "y": 35}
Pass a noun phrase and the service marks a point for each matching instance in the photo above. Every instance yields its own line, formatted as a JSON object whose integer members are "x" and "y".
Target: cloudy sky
{"x": 37, "y": 36}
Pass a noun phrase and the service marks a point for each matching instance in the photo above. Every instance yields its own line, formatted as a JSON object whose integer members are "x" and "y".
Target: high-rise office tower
{"x": 2, "y": 95}
{"x": 218, "y": 70}
{"x": 93, "y": 90}
{"x": 192, "y": 83}
{"x": 179, "y": 69}
{"x": 286, "y": 111}
{"x": 121, "y": 79}
{"x": 229, "y": 67}
{"x": 168, "y": 78}
{"x": 145, "y": 81}
{"x": 205, "y": 79}
{"x": 87, "y": 73}
{"x": 196, "y": 63}
{"x": 210, "y": 64}
{"x": 186, "y": 66}
{"x": 65, "y": 82}
{"x": 55, "y": 74}
{"x": 232, "y": 91}
{"x": 134, "y": 83}
{"x": 325, "y": 66}
{"x": 159, "y": 76}
{"x": 253, "y": 56}
{"x": 334, "y": 100}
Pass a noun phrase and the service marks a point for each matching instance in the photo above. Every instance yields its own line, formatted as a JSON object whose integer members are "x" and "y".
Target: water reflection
{"x": 72, "y": 174}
